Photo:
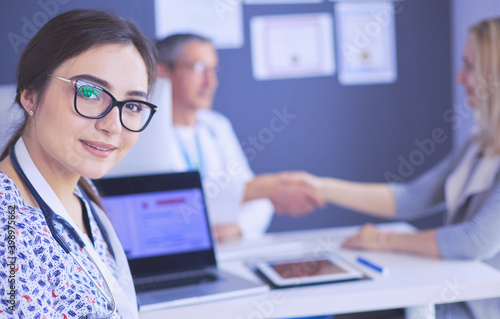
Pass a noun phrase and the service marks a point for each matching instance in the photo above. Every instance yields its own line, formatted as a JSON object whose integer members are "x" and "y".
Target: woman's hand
{"x": 369, "y": 237}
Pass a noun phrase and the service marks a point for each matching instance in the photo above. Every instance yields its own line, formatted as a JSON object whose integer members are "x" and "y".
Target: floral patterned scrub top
{"x": 37, "y": 278}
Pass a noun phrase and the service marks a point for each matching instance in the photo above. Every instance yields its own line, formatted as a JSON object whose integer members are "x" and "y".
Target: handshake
{"x": 293, "y": 193}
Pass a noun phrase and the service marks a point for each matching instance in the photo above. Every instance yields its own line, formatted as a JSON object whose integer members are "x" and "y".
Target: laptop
{"x": 163, "y": 225}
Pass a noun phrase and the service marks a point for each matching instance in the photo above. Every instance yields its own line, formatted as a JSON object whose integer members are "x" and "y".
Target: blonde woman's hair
{"x": 486, "y": 38}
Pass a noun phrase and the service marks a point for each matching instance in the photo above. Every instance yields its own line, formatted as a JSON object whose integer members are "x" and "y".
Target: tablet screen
{"x": 306, "y": 268}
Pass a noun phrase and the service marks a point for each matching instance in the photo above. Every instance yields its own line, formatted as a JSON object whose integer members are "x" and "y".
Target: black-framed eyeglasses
{"x": 94, "y": 102}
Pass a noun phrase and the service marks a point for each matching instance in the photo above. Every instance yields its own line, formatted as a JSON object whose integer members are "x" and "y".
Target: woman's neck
{"x": 61, "y": 180}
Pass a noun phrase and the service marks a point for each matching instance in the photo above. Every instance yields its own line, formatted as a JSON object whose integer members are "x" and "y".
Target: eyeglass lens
{"x": 93, "y": 102}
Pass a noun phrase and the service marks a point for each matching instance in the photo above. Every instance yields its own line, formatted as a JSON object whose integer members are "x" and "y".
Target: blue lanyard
{"x": 192, "y": 166}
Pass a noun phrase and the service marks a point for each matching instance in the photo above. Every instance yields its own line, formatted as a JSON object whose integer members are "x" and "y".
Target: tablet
{"x": 307, "y": 270}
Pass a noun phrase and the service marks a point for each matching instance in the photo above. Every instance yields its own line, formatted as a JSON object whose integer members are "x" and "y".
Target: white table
{"x": 413, "y": 282}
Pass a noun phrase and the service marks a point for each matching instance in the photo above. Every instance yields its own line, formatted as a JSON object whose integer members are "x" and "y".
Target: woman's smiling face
{"x": 467, "y": 75}
{"x": 62, "y": 142}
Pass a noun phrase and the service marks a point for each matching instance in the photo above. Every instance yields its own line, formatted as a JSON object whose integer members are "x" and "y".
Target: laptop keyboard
{"x": 170, "y": 282}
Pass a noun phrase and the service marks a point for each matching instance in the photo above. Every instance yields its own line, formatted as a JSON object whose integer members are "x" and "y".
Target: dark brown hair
{"x": 66, "y": 36}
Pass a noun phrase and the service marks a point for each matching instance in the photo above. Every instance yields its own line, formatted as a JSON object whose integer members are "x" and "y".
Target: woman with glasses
{"x": 83, "y": 82}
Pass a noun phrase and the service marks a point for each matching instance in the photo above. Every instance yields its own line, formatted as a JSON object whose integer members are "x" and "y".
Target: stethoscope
{"x": 51, "y": 217}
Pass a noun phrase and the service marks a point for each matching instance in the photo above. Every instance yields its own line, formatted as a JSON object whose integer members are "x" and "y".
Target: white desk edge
{"x": 414, "y": 282}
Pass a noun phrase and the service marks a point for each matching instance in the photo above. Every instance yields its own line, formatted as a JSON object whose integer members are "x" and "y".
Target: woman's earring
{"x": 30, "y": 112}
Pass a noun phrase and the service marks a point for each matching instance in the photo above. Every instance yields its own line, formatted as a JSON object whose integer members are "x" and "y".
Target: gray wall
{"x": 353, "y": 132}
{"x": 19, "y": 20}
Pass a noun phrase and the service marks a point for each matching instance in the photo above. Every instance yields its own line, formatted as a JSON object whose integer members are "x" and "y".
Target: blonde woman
{"x": 467, "y": 181}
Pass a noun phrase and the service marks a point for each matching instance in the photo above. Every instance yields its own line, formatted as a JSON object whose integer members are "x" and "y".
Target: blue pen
{"x": 372, "y": 265}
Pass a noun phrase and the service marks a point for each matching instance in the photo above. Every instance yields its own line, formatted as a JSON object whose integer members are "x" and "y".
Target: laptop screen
{"x": 161, "y": 220}
{"x": 155, "y": 224}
